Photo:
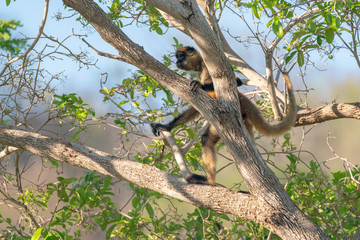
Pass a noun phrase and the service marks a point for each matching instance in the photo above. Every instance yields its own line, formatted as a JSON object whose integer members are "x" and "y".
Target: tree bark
{"x": 328, "y": 112}
{"x": 273, "y": 208}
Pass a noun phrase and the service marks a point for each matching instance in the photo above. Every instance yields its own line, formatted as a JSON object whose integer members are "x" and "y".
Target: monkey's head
{"x": 187, "y": 58}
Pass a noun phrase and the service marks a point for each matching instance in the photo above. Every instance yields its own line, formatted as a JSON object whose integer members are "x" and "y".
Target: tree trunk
{"x": 274, "y": 208}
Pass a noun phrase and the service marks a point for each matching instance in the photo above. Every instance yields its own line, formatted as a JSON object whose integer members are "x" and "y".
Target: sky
{"x": 30, "y": 14}
{"x": 85, "y": 81}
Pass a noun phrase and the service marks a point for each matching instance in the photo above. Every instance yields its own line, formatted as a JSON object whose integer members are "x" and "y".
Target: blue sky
{"x": 87, "y": 81}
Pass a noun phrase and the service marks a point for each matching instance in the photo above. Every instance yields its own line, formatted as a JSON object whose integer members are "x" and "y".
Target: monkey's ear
{"x": 190, "y": 50}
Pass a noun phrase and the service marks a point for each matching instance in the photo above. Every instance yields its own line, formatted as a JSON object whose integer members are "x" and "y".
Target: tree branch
{"x": 328, "y": 112}
{"x": 177, "y": 153}
{"x": 218, "y": 199}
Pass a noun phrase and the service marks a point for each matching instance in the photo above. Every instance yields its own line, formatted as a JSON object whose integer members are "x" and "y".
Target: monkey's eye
{"x": 180, "y": 56}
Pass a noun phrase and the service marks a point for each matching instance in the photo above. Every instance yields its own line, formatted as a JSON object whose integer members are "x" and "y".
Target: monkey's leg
{"x": 182, "y": 118}
{"x": 208, "y": 140}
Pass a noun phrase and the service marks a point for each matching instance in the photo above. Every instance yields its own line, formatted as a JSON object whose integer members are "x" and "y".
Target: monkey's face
{"x": 187, "y": 58}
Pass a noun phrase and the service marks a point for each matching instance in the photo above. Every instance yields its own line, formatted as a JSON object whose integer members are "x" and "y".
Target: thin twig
{"x": 41, "y": 28}
{"x": 108, "y": 55}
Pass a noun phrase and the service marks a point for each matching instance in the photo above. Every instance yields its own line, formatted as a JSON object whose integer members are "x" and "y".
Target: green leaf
{"x": 278, "y": 28}
{"x": 135, "y": 202}
{"x": 319, "y": 40}
{"x": 109, "y": 231}
{"x": 288, "y": 58}
{"x": 37, "y": 234}
{"x": 289, "y": 14}
{"x": 256, "y": 10}
{"x": 310, "y": 46}
{"x": 150, "y": 210}
{"x": 329, "y": 35}
{"x": 190, "y": 132}
{"x": 269, "y": 4}
{"x": 54, "y": 163}
{"x": 269, "y": 23}
{"x": 123, "y": 102}
{"x": 300, "y": 58}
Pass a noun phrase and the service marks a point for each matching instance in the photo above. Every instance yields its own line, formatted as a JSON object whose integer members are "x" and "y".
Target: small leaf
{"x": 54, "y": 163}
{"x": 290, "y": 14}
{"x": 329, "y": 35}
{"x": 191, "y": 132}
{"x": 310, "y": 46}
{"x": 300, "y": 58}
{"x": 256, "y": 10}
{"x": 319, "y": 40}
{"x": 288, "y": 58}
{"x": 37, "y": 234}
{"x": 123, "y": 102}
{"x": 270, "y": 22}
{"x": 135, "y": 202}
{"x": 278, "y": 28}
{"x": 150, "y": 210}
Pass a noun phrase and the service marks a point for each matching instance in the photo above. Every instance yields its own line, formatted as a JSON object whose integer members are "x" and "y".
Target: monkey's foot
{"x": 197, "y": 179}
{"x": 194, "y": 85}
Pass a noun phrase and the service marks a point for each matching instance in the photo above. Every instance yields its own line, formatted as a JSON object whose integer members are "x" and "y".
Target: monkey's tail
{"x": 287, "y": 122}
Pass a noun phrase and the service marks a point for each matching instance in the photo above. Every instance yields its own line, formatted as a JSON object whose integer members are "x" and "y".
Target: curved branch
{"x": 218, "y": 199}
{"x": 327, "y": 113}
{"x": 6, "y": 152}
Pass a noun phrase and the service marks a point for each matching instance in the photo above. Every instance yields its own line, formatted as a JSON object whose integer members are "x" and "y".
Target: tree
{"x": 297, "y": 30}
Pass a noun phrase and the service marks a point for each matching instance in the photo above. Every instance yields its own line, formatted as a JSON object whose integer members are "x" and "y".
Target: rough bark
{"x": 218, "y": 199}
{"x": 328, "y": 112}
{"x": 275, "y": 209}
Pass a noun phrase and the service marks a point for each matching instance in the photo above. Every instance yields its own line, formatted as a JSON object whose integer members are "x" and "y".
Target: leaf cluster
{"x": 7, "y": 43}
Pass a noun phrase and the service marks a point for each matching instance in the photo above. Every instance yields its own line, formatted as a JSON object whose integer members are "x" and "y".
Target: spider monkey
{"x": 190, "y": 60}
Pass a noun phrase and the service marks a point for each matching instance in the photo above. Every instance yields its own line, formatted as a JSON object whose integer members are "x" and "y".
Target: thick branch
{"x": 328, "y": 112}
{"x": 218, "y": 199}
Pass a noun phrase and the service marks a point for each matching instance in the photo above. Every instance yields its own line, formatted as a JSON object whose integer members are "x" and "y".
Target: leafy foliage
{"x": 88, "y": 203}
{"x": 328, "y": 20}
{"x": 69, "y": 105}
{"x": 7, "y": 43}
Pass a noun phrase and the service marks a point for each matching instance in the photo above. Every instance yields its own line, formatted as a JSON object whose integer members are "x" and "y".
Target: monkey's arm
{"x": 182, "y": 118}
{"x": 209, "y": 86}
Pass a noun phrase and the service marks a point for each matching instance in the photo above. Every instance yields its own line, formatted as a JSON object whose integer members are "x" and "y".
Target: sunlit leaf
{"x": 278, "y": 28}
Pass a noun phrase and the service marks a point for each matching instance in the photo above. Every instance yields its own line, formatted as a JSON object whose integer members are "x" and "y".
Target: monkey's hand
{"x": 196, "y": 179}
{"x": 239, "y": 82}
{"x": 158, "y": 127}
{"x": 194, "y": 85}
